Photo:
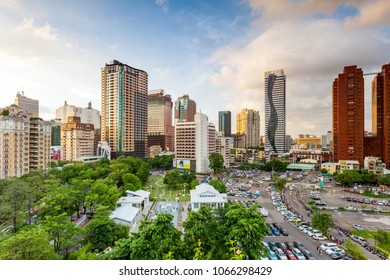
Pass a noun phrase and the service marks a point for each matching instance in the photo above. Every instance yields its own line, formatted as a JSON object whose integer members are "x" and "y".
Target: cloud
{"x": 372, "y": 14}
{"x": 45, "y": 32}
{"x": 163, "y": 4}
{"x": 311, "y": 51}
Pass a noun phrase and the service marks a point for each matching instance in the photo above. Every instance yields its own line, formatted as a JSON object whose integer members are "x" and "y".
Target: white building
{"x": 374, "y": 165}
{"x": 349, "y": 165}
{"x": 87, "y": 115}
{"x": 137, "y": 199}
{"x": 194, "y": 142}
{"x": 222, "y": 147}
{"x": 126, "y": 215}
{"x": 205, "y": 194}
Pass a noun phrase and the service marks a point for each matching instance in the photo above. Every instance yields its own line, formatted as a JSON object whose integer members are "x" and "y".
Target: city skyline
{"x": 217, "y": 58}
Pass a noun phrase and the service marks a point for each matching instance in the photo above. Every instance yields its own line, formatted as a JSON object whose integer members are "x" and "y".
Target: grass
{"x": 160, "y": 191}
{"x": 385, "y": 248}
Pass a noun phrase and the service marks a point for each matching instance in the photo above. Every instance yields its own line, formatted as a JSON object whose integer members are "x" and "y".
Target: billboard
{"x": 183, "y": 164}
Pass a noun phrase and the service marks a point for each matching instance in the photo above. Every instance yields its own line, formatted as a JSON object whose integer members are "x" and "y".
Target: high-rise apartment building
{"x": 275, "y": 111}
{"x": 160, "y": 129}
{"x": 348, "y": 115}
{"x": 185, "y": 109}
{"x": 28, "y": 104}
{"x": 14, "y": 143}
{"x": 223, "y": 145}
{"x": 248, "y": 123}
{"x": 194, "y": 142}
{"x": 124, "y": 109}
{"x": 77, "y": 139}
{"x": 378, "y": 144}
{"x": 39, "y": 144}
{"x": 225, "y": 123}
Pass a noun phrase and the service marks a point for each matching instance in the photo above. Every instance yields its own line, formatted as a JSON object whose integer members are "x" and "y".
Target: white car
{"x": 359, "y": 227}
{"x": 328, "y": 245}
{"x": 332, "y": 250}
{"x": 319, "y": 236}
{"x": 312, "y": 232}
{"x": 298, "y": 254}
{"x": 307, "y": 229}
{"x": 280, "y": 254}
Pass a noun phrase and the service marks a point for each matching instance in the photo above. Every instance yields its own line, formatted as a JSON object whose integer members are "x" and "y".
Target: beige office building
{"x": 28, "y": 104}
{"x": 248, "y": 123}
{"x": 160, "y": 129}
{"x": 124, "y": 114}
{"x": 77, "y": 139}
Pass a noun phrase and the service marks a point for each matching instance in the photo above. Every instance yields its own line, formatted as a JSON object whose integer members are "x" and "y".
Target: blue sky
{"x": 215, "y": 51}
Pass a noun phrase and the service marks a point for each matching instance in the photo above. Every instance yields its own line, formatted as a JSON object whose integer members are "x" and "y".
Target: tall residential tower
{"x": 225, "y": 123}
{"x": 124, "y": 109}
{"x": 248, "y": 124}
{"x": 185, "y": 109}
{"x": 348, "y": 115}
{"x": 275, "y": 111}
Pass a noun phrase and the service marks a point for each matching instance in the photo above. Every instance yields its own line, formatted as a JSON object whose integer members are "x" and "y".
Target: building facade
{"x": 248, "y": 124}
{"x": 77, "y": 139}
{"x": 124, "y": 111}
{"x": 275, "y": 111}
{"x": 28, "y": 104}
{"x": 87, "y": 114}
{"x": 348, "y": 115}
{"x": 160, "y": 130}
{"x": 223, "y": 145}
{"x": 194, "y": 142}
{"x": 225, "y": 123}
{"x": 185, "y": 109}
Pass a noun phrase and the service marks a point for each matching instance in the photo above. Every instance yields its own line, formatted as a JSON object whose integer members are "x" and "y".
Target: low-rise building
{"x": 349, "y": 165}
{"x": 374, "y": 165}
{"x": 126, "y": 215}
{"x": 331, "y": 167}
{"x": 205, "y": 194}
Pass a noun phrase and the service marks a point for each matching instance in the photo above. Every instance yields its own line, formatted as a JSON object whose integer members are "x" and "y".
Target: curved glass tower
{"x": 275, "y": 111}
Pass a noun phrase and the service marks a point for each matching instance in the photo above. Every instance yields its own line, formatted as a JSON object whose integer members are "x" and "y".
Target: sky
{"x": 215, "y": 51}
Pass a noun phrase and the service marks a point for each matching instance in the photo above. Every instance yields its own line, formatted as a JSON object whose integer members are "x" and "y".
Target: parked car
{"x": 283, "y": 231}
{"x": 337, "y": 255}
{"x": 320, "y": 203}
{"x": 328, "y": 245}
{"x": 298, "y": 254}
{"x": 308, "y": 255}
{"x": 280, "y": 254}
{"x": 281, "y": 245}
{"x": 272, "y": 245}
{"x": 319, "y": 236}
{"x": 332, "y": 250}
{"x": 299, "y": 245}
{"x": 290, "y": 255}
{"x": 275, "y": 231}
{"x": 265, "y": 244}
{"x": 359, "y": 227}
{"x": 289, "y": 245}
{"x": 272, "y": 256}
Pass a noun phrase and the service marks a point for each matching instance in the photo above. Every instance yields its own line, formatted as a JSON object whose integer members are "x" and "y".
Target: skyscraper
{"x": 225, "y": 123}
{"x": 185, "y": 109}
{"x": 28, "y": 104}
{"x": 248, "y": 123}
{"x": 275, "y": 111}
{"x": 379, "y": 144}
{"x": 348, "y": 115}
{"x": 124, "y": 109}
{"x": 160, "y": 130}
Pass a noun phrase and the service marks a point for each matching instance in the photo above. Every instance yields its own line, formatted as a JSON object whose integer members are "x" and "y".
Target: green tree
{"x": 102, "y": 193}
{"x": 63, "y": 232}
{"x": 201, "y": 227}
{"x": 157, "y": 240}
{"x": 247, "y": 227}
{"x": 384, "y": 180}
{"x": 323, "y": 222}
{"x": 280, "y": 183}
{"x": 130, "y": 182}
{"x": 102, "y": 232}
{"x": 275, "y": 165}
{"x": 216, "y": 162}
{"x": 143, "y": 172}
{"x": 218, "y": 185}
{"x": 324, "y": 171}
{"x": 32, "y": 244}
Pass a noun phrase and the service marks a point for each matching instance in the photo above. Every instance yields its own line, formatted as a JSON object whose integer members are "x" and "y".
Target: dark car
{"x": 308, "y": 255}
{"x": 272, "y": 245}
{"x": 275, "y": 231}
{"x": 289, "y": 245}
{"x": 355, "y": 199}
{"x": 283, "y": 232}
{"x": 281, "y": 245}
{"x": 276, "y": 226}
{"x": 348, "y": 199}
{"x": 299, "y": 245}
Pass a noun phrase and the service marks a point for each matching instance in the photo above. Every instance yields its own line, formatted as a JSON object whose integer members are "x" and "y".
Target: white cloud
{"x": 311, "y": 51}
{"x": 45, "y": 32}
{"x": 372, "y": 14}
{"x": 163, "y": 4}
